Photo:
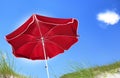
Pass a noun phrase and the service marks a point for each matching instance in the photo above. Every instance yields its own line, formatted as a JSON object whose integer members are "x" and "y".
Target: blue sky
{"x": 99, "y": 35}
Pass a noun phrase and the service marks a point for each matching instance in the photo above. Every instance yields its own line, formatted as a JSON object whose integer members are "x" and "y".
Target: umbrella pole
{"x": 46, "y": 63}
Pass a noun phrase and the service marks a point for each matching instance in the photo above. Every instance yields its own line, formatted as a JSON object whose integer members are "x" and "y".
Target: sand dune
{"x": 115, "y": 74}
{"x": 109, "y": 75}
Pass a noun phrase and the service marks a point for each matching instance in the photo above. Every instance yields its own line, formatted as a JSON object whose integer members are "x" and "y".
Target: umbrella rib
{"x": 65, "y": 36}
{"x": 21, "y": 32}
{"x": 58, "y": 44}
{"x": 37, "y": 21}
{"x": 32, "y": 51}
{"x": 50, "y": 23}
{"x": 55, "y": 44}
{"x": 57, "y": 25}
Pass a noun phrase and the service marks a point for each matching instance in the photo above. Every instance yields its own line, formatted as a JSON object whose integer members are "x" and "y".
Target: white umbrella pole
{"x": 46, "y": 64}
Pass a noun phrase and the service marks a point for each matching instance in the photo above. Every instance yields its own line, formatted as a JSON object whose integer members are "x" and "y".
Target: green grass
{"x": 92, "y": 72}
{"x": 7, "y": 69}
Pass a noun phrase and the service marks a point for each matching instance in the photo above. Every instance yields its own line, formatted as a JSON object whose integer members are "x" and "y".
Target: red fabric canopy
{"x": 40, "y": 32}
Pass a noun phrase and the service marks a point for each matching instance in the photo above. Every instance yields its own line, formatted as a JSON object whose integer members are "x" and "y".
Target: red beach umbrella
{"x": 41, "y": 37}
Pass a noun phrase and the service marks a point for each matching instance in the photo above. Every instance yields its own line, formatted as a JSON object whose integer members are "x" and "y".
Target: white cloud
{"x": 108, "y": 17}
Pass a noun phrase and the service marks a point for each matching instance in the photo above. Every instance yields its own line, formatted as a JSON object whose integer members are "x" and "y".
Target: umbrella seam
{"x": 52, "y": 24}
{"x": 21, "y": 32}
{"x": 62, "y": 35}
{"x": 55, "y": 23}
{"x": 52, "y": 29}
{"x": 55, "y": 44}
{"x": 32, "y": 51}
{"x": 58, "y": 44}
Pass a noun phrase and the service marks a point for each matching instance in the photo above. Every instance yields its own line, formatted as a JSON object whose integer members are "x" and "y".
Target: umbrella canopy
{"x": 41, "y": 34}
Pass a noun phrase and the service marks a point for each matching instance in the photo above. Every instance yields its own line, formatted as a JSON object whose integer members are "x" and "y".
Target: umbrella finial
{"x": 34, "y": 17}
